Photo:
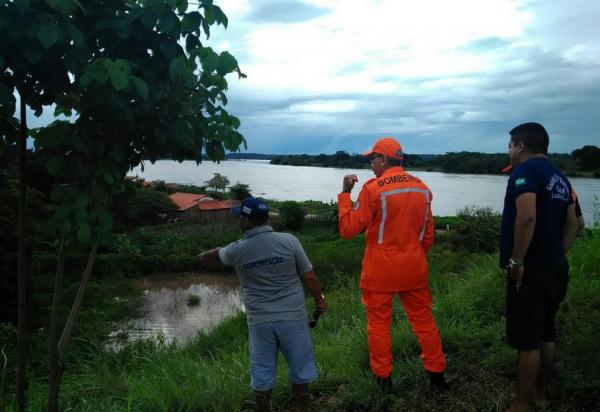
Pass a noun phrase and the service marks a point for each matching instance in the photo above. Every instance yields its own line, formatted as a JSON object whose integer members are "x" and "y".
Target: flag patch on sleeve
{"x": 520, "y": 182}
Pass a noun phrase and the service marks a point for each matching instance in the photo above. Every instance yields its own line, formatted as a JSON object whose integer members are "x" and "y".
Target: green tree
{"x": 588, "y": 157}
{"x": 292, "y": 214}
{"x": 135, "y": 207}
{"x": 139, "y": 85}
{"x": 218, "y": 181}
{"x": 240, "y": 191}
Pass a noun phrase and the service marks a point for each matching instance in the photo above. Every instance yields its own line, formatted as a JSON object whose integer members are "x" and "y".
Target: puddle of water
{"x": 166, "y": 310}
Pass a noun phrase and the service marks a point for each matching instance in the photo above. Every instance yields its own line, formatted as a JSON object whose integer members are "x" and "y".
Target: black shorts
{"x": 531, "y": 310}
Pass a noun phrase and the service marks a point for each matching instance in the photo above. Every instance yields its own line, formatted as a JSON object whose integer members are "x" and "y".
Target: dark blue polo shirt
{"x": 554, "y": 195}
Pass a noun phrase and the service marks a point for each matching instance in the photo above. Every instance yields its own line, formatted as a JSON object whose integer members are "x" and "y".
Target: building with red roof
{"x": 202, "y": 208}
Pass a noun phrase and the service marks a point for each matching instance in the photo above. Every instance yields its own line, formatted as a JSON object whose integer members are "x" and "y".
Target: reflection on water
{"x": 166, "y": 310}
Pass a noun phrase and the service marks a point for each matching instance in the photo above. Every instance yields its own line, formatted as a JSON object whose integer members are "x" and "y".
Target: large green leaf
{"x": 87, "y": 78}
{"x": 118, "y": 78}
{"x": 169, "y": 23}
{"x": 209, "y": 61}
{"x": 177, "y": 67}
{"x": 209, "y": 15}
{"x": 227, "y": 63}
{"x": 75, "y": 35}
{"x": 47, "y": 33}
{"x": 191, "y": 42}
{"x": 191, "y": 22}
{"x": 220, "y": 17}
{"x": 182, "y": 6}
{"x": 141, "y": 86}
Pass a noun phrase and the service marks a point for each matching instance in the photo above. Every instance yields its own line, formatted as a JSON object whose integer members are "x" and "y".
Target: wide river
{"x": 451, "y": 192}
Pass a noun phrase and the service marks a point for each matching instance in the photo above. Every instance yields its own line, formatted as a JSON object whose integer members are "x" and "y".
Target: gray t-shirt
{"x": 269, "y": 265}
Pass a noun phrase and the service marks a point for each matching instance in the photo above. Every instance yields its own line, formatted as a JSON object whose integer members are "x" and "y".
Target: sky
{"x": 440, "y": 76}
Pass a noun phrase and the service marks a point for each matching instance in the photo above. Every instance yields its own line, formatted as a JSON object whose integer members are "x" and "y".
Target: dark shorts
{"x": 531, "y": 310}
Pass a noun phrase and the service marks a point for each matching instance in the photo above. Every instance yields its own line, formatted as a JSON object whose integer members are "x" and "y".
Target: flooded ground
{"x": 177, "y": 306}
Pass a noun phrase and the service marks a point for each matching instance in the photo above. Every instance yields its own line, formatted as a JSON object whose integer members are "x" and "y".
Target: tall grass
{"x": 211, "y": 372}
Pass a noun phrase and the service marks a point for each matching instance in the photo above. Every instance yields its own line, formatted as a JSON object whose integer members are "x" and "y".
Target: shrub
{"x": 292, "y": 214}
{"x": 443, "y": 222}
{"x": 135, "y": 207}
{"x": 239, "y": 191}
{"x": 479, "y": 230}
{"x": 193, "y": 300}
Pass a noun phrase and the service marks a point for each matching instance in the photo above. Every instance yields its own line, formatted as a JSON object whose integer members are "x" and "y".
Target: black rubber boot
{"x": 438, "y": 382}
{"x": 385, "y": 384}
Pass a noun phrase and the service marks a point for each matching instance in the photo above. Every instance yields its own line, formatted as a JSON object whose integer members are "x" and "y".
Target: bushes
{"x": 292, "y": 214}
{"x": 239, "y": 191}
{"x": 136, "y": 207}
{"x": 479, "y": 230}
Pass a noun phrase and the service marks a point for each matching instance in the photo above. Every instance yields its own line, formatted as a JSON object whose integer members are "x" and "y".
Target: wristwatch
{"x": 513, "y": 264}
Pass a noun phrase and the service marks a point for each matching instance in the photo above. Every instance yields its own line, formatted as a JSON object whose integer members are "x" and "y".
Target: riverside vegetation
{"x": 211, "y": 371}
{"x": 584, "y": 162}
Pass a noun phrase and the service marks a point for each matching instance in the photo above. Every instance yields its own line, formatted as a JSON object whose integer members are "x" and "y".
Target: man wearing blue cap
{"x": 272, "y": 267}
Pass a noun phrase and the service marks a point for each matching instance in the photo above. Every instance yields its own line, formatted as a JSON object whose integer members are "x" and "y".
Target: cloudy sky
{"x": 328, "y": 75}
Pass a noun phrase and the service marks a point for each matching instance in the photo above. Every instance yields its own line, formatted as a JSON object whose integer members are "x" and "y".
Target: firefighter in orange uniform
{"x": 394, "y": 209}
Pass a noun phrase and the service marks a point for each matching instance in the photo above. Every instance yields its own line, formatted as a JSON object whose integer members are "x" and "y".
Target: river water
{"x": 451, "y": 192}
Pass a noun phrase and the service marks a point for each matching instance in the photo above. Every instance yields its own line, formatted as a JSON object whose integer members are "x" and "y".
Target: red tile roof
{"x": 185, "y": 201}
{"x": 217, "y": 204}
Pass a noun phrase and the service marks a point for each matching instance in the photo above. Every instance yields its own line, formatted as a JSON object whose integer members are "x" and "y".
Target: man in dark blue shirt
{"x": 538, "y": 226}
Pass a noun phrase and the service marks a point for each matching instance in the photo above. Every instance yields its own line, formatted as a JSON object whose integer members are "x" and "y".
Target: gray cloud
{"x": 277, "y": 11}
{"x": 485, "y": 44}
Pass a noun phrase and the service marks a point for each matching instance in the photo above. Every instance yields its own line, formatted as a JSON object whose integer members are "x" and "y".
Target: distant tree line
{"x": 581, "y": 161}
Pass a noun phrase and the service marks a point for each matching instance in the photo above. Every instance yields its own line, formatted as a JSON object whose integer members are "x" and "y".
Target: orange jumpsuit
{"x": 395, "y": 210}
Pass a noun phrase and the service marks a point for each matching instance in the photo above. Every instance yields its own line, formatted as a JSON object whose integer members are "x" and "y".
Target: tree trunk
{"x": 55, "y": 361}
{"x": 77, "y": 303}
{"x": 21, "y": 271}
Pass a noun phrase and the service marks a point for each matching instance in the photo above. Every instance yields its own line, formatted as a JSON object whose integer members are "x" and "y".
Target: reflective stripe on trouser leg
{"x": 378, "y": 306}
{"x": 417, "y": 305}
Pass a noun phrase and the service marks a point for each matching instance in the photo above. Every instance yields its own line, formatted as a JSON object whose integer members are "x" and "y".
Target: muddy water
{"x": 178, "y": 306}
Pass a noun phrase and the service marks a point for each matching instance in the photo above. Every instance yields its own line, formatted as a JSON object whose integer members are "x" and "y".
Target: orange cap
{"x": 386, "y": 146}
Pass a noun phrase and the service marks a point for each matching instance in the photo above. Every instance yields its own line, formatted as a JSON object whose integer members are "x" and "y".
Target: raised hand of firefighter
{"x": 349, "y": 182}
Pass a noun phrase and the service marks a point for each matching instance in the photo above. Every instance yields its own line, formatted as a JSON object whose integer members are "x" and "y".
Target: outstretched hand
{"x": 209, "y": 255}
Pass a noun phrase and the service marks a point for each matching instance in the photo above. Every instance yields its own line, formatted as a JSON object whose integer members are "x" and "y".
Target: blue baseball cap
{"x": 251, "y": 207}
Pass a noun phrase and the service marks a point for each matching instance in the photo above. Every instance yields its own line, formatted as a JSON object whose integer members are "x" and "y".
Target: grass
{"x": 211, "y": 372}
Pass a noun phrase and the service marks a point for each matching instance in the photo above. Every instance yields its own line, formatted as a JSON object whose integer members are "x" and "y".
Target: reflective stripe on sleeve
{"x": 384, "y": 196}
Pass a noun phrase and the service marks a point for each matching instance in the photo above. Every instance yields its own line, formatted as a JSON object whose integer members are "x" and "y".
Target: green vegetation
{"x": 239, "y": 191}
{"x": 193, "y": 300}
{"x": 135, "y": 83}
{"x": 291, "y": 214}
{"x": 211, "y": 371}
{"x": 218, "y": 181}
{"x": 582, "y": 162}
